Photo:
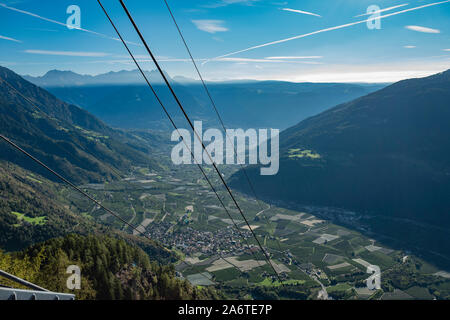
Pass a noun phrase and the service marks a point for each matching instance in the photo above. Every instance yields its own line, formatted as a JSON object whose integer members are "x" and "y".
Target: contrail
{"x": 10, "y": 39}
{"x": 302, "y": 12}
{"x": 382, "y": 10}
{"x": 68, "y": 53}
{"x": 327, "y": 29}
{"x": 63, "y": 24}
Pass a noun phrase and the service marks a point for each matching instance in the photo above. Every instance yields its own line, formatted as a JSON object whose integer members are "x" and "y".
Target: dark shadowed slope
{"x": 385, "y": 154}
{"x": 69, "y": 139}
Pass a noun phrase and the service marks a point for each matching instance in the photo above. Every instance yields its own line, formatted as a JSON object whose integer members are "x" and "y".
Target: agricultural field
{"x": 308, "y": 251}
{"x": 25, "y": 219}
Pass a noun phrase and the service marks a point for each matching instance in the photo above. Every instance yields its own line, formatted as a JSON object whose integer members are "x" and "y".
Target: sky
{"x": 299, "y": 40}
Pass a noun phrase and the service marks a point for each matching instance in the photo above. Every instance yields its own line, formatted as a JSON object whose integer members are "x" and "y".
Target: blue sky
{"x": 414, "y": 39}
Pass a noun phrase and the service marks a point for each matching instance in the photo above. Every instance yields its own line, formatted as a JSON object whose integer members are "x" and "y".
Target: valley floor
{"x": 328, "y": 261}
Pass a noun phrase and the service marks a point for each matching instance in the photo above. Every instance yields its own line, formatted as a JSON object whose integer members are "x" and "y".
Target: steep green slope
{"x": 32, "y": 209}
{"x": 67, "y": 138}
{"x": 110, "y": 269}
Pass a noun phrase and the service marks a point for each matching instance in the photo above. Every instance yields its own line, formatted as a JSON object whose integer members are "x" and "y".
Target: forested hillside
{"x": 385, "y": 155}
{"x": 30, "y": 211}
{"x": 67, "y": 138}
{"x": 33, "y": 210}
{"x": 110, "y": 269}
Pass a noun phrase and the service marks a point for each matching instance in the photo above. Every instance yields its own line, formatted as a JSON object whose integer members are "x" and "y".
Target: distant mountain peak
{"x": 55, "y": 71}
{"x": 67, "y": 78}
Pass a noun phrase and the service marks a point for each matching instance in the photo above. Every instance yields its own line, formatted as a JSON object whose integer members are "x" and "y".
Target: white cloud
{"x": 294, "y": 57}
{"x": 224, "y": 3}
{"x": 248, "y": 60}
{"x": 329, "y": 29}
{"x": 377, "y": 73}
{"x": 365, "y": 77}
{"x": 68, "y": 53}
{"x": 243, "y": 61}
{"x": 422, "y": 29}
{"x": 238, "y": 1}
{"x": 10, "y": 39}
{"x": 302, "y": 12}
{"x": 446, "y": 49}
{"x": 409, "y": 47}
{"x": 210, "y": 26}
{"x": 230, "y": 59}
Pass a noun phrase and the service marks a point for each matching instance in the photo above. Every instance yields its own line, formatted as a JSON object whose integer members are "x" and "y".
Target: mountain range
{"x": 121, "y": 100}
{"x": 59, "y": 78}
{"x": 381, "y": 156}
